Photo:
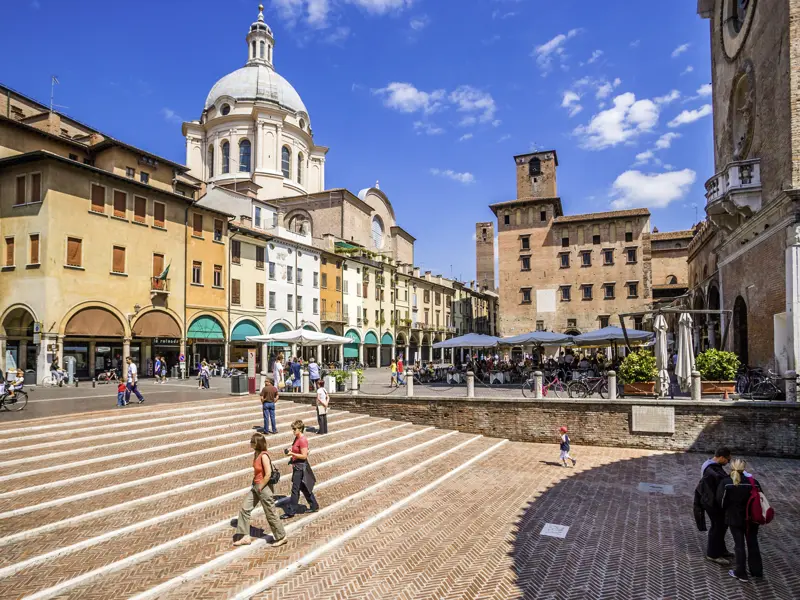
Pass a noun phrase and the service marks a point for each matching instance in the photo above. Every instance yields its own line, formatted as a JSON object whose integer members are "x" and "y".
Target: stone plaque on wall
{"x": 653, "y": 419}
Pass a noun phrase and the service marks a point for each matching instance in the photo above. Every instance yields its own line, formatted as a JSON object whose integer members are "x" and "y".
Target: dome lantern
{"x": 260, "y": 41}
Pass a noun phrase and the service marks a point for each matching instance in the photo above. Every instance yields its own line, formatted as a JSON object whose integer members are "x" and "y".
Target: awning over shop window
{"x": 95, "y": 322}
{"x": 351, "y": 351}
{"x": 371, "y": 339}
{"x": 353, "y": 335}
{"x": 156, "y": 324}
{"x": 387, "y": 340}
{"x": 243, "y": 329}
{"x": 206, "y": 328}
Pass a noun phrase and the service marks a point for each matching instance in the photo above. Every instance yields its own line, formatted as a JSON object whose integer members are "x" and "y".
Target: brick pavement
{"x": 170, "y": 511}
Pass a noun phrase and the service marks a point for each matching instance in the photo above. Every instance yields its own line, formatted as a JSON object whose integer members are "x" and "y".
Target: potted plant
{"x": 341, "y": 377}
{"x": 638, "y": 372}
{"x": 717, "y": 370}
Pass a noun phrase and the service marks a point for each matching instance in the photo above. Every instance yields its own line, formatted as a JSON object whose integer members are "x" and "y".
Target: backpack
{"x": 758, "y": 509}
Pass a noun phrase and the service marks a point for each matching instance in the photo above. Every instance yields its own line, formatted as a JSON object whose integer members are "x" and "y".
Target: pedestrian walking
{"x": 262, "y": 491}
{"x": 393, "y": 368}
{"x": 564, "y": 445}
{"x": 303, "y": 479}
{"x": 277, "y": 372}
{"x": 205, "y": 375}
{"x": 132, "y": 381}
{"x": 313, "y": 372}
{"x": 164, "y": 370}
{"x": 712, "y": 474}
{"x": 296, "y": 376}
{"x": 733, "y": 495}
{"x": 269, "y": 396}
{"x": 400, "y": 371}
{"x": 323, "y": 398}
{"x": 157, "y": 369}
{"x": 121, "y": 395}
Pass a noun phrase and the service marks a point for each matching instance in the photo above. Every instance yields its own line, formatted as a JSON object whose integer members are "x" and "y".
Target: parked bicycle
{"x": 108, "y": 376}
{"x": 582, "y": 388}
{"x": 551, "y": 383}
{"x": 755, "y": 385}
{"x": 16, "y": 402}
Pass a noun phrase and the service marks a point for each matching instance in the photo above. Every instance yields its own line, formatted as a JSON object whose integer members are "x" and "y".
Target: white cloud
{"x": 468, "y": 99}
{"x": 656, "y": 190}
{"x": 497, "y": 14}
{"x": 503, "y": 138}
{"x": 171, "y": 116}
{"x": 665, "y": 141}
{"x": 604, "y": 88}
{"x": 644, "y": 157}
{"x": 595, "y": 56}
{"x": 427, "y": 128}
{"x": 704, "y": 90}
{"x": 668, "y": 98}
{"x": 497, "y": 123}
{"x": 635, "y": 43}
{"x": 406, "y": 98}
{"x": 687, "y": 70}
{"x": 571, "y": 101}
{"x": 316, "y": 13}
{"x": 420, "y": 23}
{"x": 465, "y": 178}
{"x": 623, "y": 122}
{"x": 555, "y": 47}
{"x": 690, "y": 116}
{"x": 680, "y": 50}
{"x": 339, "y": 34}
{"x": 465, "y": 137}
{"x": 380, "y": 7}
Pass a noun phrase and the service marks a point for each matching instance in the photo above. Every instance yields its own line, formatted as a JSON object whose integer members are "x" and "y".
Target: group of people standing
{"x": 728, "y": 500}
{"x": 288, "y": 375}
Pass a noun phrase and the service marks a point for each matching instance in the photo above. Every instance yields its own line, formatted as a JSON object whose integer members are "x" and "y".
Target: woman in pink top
{"x": 261, "y": 491}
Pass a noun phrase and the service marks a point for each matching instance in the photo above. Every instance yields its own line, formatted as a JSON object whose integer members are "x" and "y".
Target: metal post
{"x": 696, "y": 394}
{"x": 470, "y": 384}
{"x": 612, "y": 385}
{"x": 537, "y": 385}
{"x": 791, "y": 386}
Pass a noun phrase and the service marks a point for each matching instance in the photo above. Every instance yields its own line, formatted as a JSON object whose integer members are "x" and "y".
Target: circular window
{"x": 736, "y": 17}
{"x": 226, "y": 108}
{"x": 377, "y": 232}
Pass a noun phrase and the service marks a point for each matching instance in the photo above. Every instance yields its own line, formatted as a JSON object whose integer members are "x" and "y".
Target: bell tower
{"x": 536, "y": 174}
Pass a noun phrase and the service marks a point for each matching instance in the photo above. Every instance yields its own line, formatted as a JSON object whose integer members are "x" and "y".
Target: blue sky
{"x": 431, "y": 97}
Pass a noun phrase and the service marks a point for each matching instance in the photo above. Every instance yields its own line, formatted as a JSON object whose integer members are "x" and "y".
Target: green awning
{"x": 309, "y": 328}
{"x": 244, "y": 329}
{"x": 205, "y": 328}
{"x": 278, "y": 328}
{"x": 351, "y": 351}
{"x": 330, "y": 330}
{"x": 387, "y": 340}
{"x": 353, "y": 335}
{"x": 371, "y": 339}
{"x": 346, "y": 246}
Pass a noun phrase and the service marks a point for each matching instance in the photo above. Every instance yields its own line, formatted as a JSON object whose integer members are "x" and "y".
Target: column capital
{"x": 127, "y": 340}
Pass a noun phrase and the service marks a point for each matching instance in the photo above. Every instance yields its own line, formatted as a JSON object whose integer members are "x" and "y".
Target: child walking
{"x": 121, "y": 394}
{"x": 564, "y": 444}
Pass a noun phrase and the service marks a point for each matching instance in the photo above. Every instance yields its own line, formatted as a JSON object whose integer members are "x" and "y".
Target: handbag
{"x": 275, "y": 475}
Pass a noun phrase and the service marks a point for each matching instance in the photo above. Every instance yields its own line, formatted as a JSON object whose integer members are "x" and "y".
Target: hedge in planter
{"x": 638, "y": 372}
{"x": 718, "y": 369}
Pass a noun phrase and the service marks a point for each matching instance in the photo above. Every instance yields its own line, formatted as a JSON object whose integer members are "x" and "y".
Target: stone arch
{"x": 126, "y": 328}
{"x": 299, "y": 221}
{"x": 284, "y": 322}
{"x": 374, "y": 332}
{"x": 310, "y": 326}
{"x": 259, "y": 325}
{"x": 158, "y": 309}
{"x": 14, "y": 308}
{"x": 671, "y": 280}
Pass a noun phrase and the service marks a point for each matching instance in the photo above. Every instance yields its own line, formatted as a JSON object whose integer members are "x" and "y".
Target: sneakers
{"x": 280, "y": 542}
{"x": 142, "y": 400}
{"x": 734, "y": 575}
{"x": 286, "y": 516}
{"x": 574, "y": 461}
{"x": 720, "y": 561}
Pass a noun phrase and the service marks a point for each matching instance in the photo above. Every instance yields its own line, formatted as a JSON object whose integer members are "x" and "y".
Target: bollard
{"x": 696, "y": 386}
{"x": 94, "y": 382}
{"x": 791, "y": 386}
{"x": 612, "y": 385}
{"x": 537, "y": 385}
{"x": 354, "y": 383}
{"x": 470, "y": 384}
{"x": 304, "y": 381}
{"x": 410, "y": 384}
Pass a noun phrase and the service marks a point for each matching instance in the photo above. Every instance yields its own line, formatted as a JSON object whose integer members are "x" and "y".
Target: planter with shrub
{"x": 638, "y": 372}
{"x": 717, "y": 370}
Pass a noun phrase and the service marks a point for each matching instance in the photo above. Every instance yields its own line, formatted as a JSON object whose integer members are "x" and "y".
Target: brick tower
{"x": 484, "y": 254}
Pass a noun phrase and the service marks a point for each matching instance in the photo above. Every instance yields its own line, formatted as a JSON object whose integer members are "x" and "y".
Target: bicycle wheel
{"x": 527, "y": 389}
{"x": 559, "y": 389}
{"x": 741, "y": 384}
{"x": 603, "y": 390}
{"x": 765, "y": 390}
{"x": 16, "y": 403}
{"x": 577, "y": 389}
{"x": 48, "y": 381}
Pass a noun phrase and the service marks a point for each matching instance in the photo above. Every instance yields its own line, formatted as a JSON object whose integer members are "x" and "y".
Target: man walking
{"x": 269, "y": 396}
{"x": 400, "y": 370}
{"x": 133, "y": 379}
{"x": 705, "y": 501}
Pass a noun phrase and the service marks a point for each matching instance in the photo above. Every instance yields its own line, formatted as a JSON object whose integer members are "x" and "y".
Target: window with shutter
{"x": 218, "y": 227}
{"x": 159, "y": 215}
{"x": 218, "y": 276}
{"x": 197, "y": 272}
{"x": 9, "y": 252}
{"x": 36, "y": 187}
{"x": 98, "y": 199}
{"x": 158, "y": 264}
{"x": 259, "y": 295}
{"x": 34, "y": 260}
{"x": 236, "y": 289}
{"x": 197, "y": 225}
{"x": 118, "y": 260}
{"x": 74, "y": 252}
{"x": 139, "y": 209}
{"x": 259, "y": 257}
{"x": 236, "y": 252}
{"x": 120, "y": 204}
{"x": 20, "y": 198}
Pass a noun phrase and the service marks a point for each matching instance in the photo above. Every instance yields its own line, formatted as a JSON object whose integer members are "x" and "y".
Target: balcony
{"x": 734, "y": 192}
{"x": 333, "y": 317}
{"x": 159, "y": 286}
{"x": 416, "y": 325}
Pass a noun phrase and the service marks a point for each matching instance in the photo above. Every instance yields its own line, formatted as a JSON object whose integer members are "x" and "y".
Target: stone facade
{"x": 484, "y": 254}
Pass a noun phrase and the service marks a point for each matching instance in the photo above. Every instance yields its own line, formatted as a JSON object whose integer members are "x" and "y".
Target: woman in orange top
{"x": 262, "y": 491}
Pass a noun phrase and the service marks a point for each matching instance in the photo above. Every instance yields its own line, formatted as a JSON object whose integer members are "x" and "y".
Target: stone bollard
{"x": 354, "y": 383}
{"x": 612, "y": 385}
{"x": 537, "y": 385}
{"x": 791, "y": 386}
{"x": 304, "y": 381}
{"x": 696, "y": 394}
{"x": 262, "y": 380}
{"x": 470, "y": 384}
{"x": 410, "y": 384}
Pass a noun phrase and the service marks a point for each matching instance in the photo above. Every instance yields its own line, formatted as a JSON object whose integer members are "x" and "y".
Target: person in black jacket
{"x": 733, "y": 494}
{"x": 705, "y": 501}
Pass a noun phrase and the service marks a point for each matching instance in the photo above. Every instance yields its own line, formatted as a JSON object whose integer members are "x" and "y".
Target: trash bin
{"x": 239, "y": 385}
{"x": 175, "y": 371}
{"x": 29, "y": 377}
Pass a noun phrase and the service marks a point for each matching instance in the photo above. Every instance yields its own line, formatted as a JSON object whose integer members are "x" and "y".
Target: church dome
{"x": 256, "y": 82}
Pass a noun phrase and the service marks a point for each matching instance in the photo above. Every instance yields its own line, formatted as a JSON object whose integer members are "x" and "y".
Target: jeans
{"x": 322, "y": 422}
{"x": 132, "y": 388}
{"x": 205, "y": 382}
{"x": 400, "y": 380}
{"x": 120, "y": 398}
{"x": 747, "y": 536}
{"x": 716, "y": 535}
{"x": 297, "y": 487}
{"x": 265, "y": 498}
{"x": 269, "y": 417}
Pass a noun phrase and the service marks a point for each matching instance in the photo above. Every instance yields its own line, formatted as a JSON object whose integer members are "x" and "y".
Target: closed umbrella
{"x": 662, "y": 357}
{"x": 685, "y": 366}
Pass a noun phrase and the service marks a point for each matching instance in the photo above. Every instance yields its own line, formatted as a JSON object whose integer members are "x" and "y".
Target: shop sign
{"x": 37, "y": 330}
{"x": 166, "y": 342}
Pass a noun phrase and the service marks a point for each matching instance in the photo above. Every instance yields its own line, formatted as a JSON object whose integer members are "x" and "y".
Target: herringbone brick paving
{"x": 474, "y": 536}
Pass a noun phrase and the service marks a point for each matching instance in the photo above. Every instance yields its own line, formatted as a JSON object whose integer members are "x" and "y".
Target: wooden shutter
{"x": 236, "y": 252}
{"x": 34, "y": 249}
{"x": 236, "y": 289}
{"x": 36, "y": 187}
{"x": 20, "y": 199}
{"x": 260, "y": 295}
{"x": 98, "y": 198}
{"x": 139, "y": 209}
{"x": 158, "y": 264}
{"x": 118, "y": 262}
{"x": 218, "y": 275}
{"x": 259, "y": 257}
{"x": 197, "y": 225}
{"x": 120, "y": 204}
{"x": 159, "y": 216}
{"x": 9, "y": 251}
{"x": 74, "y": 252}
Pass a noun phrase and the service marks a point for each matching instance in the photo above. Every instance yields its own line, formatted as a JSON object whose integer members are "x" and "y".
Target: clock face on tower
{"x": 735, "y": 20}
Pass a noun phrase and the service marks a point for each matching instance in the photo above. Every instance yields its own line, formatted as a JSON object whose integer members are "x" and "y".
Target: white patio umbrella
{"x": 303, "y": 337}
{"x": 662, "y": 356}
{"x": 685, "y": 366}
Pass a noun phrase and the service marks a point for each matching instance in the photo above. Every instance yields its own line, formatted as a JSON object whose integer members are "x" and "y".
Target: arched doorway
{"x": 20, "y": 351}
{"x": 426, "y": 348}
{"x": 239, "y": 346}
{"x": 371, "y": 343}
{"x": 413, "y": 349}
{"x": 740, "y": 330}
{"x": 207, "y": 339}
{"x": 401, "y": 345}
{"x": 351, "y": 350}
{"x": 159, "y": 334}
{"x": 93, "y": 337}
{"x": 387, "y": 341}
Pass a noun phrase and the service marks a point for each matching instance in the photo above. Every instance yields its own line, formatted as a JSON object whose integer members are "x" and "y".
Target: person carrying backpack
{"x": 705, "y": 501}
{"x": 739, "y": 497}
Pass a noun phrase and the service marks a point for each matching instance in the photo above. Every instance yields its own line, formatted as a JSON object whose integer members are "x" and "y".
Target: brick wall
{"x": 758, "y": 428}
